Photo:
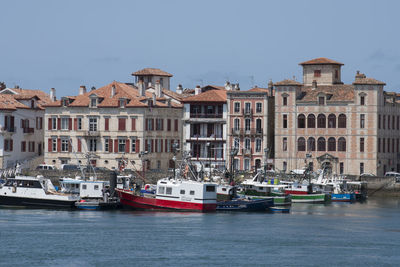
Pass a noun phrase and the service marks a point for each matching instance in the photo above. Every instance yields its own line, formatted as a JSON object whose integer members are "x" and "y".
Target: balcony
{"x": 4, "y": 130}
{"x": 206, "y": 115}
{"x": 28, "y": 130}
{"x": 247, "y": 112}
{"x": 247, "y": 132}
{"x": 206, "y": 137}
{"x": 91, "y": 133}
{"x": 246, "y": 151}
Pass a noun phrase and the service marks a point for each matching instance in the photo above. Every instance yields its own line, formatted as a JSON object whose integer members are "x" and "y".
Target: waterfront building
{"x": 205, "y": 124}
{"x": 21, "y": 125}
{"x": 120, "y": 125}
{"x": 250, "y": 127}
{"x": 349, "y": 128}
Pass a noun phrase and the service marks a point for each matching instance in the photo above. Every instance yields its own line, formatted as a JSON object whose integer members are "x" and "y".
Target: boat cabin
{"x": 93, "y": 189}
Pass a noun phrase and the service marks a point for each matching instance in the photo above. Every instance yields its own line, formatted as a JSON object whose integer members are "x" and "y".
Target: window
{"x": 384, "y": 122}
{"x": 84, "y": 186}
{"x": 176, "y": 125}
{"x": 133, "y": 146}
{"x": 169, "y": 125}
{"x": 258, "y": 107}
{"x": 258, "y": 145}
{"x": 284, "y": 101}
{"x": 317, "y": 73}
{"x": 247, "y": 107}
{"x": 93, "y": 102}
{"x": 341, "y": 167}
{"x": 247, "y": 124}
{"x": 122, "y": 103}
{"x": 159, "y": 124}
{"x": 311, "y": 121}
{"x": 158, "y": 164}
{"x": 79, "y": 121}
{"x": 23, "y": 146}
{"x": 54, "y": 144}
{"x": 121, "y": 145}
{"x": 285, "y": 123}
{"x": 321, "y": 121}
{"x": 246, "y": 164}
{"x": 64, "y": 145}
{"x": 191, "y": 192}
{"x": 106, "y": 144}
{"x": 362, "y": 100}
{"x": 311, "y": 144}
{"x": 336, "y": 74}
{"x": 93, "y": 144}
{"x": 342, "y": 121}
{"x": 383, "y": 145}
{"x": 168, "y": 191}
{"x": 284, "y": 166}
{"x": 301, "y": 121}
{"x": 379, "y": 145}
{"x": 96, "y": 187}
{"x": 182, "y": 192}
{"x": 149, "y": 145}
{"x": 161, "y": 190}
{"x": 362, "y": 121}
{"x": 361, "y": 167}
{"x": 149, "y": 124}
{"x": 321, "y": 100}
{"x": 331, "y": 144}
{"x": 236, "y": 142}
{"x": 321, "y": 144}
{"x": 331, "y": 121}
{"x": 379, "y": 121}
{"x": 92, "y": 124}
{"x": 210, "y": 188}
{"x": 54, "y": 123}
{"x": 237, "y": 107}
{"x": 64, "y": 123}
{"x": 258, "y": 126}
{"x": 301, "y": 144}
{"x": 341, "y": 144}
{"x": 121, "y": 124}
{"x": 284, "y": 144}
{"x": 236, "y": 124}
{"x": 247, "y": 143}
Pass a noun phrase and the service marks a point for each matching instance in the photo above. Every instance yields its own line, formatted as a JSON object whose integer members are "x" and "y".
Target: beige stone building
{"x": 116, "y": 124}
{"x": 351, "y": 128}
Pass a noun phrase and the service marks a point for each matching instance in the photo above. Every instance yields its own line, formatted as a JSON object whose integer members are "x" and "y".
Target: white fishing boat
{"x": 28, "y": 191}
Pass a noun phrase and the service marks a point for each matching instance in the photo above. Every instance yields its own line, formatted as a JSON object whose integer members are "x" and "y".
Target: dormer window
{"x": 93, "y": 102}
{"x": 321, "y": 100}
{"x": 32, "y": 103}
{"x": 317, "y": 73}
{"x": 64, "y": 102}
{"x": 122, "y": 102}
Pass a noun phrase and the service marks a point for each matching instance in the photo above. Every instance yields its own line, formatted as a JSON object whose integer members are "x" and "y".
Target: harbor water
{"x": 337, "y": 234}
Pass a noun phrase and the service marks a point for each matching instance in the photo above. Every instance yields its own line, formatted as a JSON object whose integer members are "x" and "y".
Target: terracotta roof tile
{"x": 209, "y": 96}
{"x": 288, "y": 82}
{"x": 8, "y": 102}
{"x": 26, "y": 94}
{"x": 321, "y": 61}
{"x": 337, "y": 92}
{"x": 259, "y": 89}
{"x": 368, "y": 81}
{"x": 151, "y": 71}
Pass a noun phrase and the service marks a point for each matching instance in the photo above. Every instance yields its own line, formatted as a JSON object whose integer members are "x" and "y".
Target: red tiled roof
{"x": 26, "y": 94}
{"x": 8, "y": 102}
{"x": 336, "y": 92}
{"x": 321, "y": 61}
{"x": 259, "y": 89}
{"x": 151, "y": 71}
{"x": 368, "y": 81}
{"x": 209, "y": 96}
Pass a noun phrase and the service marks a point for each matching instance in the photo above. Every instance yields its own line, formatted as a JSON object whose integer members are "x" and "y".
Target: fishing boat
{"x": 173, "y": 194}
{"x": 243, "y": 204}
{"x": 306, "y": 193}
{"x": 258, "y": 187}
{"x": 96, "y": 195}
{"x": 28, "y": 191}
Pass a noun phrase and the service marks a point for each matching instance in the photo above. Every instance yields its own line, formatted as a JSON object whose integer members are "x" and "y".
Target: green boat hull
{"x": 310, "y": 198}
{"x": 278, "y": 200}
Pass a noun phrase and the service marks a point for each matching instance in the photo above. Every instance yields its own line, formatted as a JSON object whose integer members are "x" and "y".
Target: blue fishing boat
{"x": 343, "y": 197}
{"x": 245, "y": 204}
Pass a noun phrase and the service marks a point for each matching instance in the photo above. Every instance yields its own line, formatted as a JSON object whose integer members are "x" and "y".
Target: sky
{"x": 65, "y": 44}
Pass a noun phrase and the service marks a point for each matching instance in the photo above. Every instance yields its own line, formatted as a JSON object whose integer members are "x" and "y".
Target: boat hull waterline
{"x": 35, "y": 202}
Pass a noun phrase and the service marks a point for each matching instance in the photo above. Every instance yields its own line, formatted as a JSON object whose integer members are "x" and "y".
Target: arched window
{"x": 342, "y": 121}
{"x": 301, "y": 121}
{"x": 331, "y": 144}
{"x": 311, "y": 144}
{"x": 331, "y": 121}
{"x": 321, "y": 144}
{"x": 321, "y": 121}
{"x": 341, "y": 144}
{"x": 301, "y": 144}
{"x": 311, "y": 121}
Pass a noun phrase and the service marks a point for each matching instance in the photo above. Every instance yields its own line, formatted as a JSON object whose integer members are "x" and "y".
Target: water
{"x": 339, "y": 234}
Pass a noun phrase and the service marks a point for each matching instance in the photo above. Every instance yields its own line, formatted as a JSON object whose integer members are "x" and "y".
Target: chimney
{"x": 82, "y": 90}
{"x": 142, "y": 90}
{"x": 2, "y": 86}
{"x": 236, "y": 87}
{"x": 113, "y": 90}
{"x": 271, "y": 88}
{"x": 314, "y": 84}
{"x": 53, "y": 94}
{"x": 158, "y": 89}
{"x": 197, "y": 90}
{"x": 154, "y": 99}
{"x": 93, "y": 88}
{"x": 169, "y": 102}
{"x": 228, "y": 86}
{"x": 360, "y": 75}
{"x": 179, "y": 89}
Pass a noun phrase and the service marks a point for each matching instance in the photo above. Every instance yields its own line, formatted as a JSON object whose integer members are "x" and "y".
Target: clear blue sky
{"x": 65, "y": 44}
